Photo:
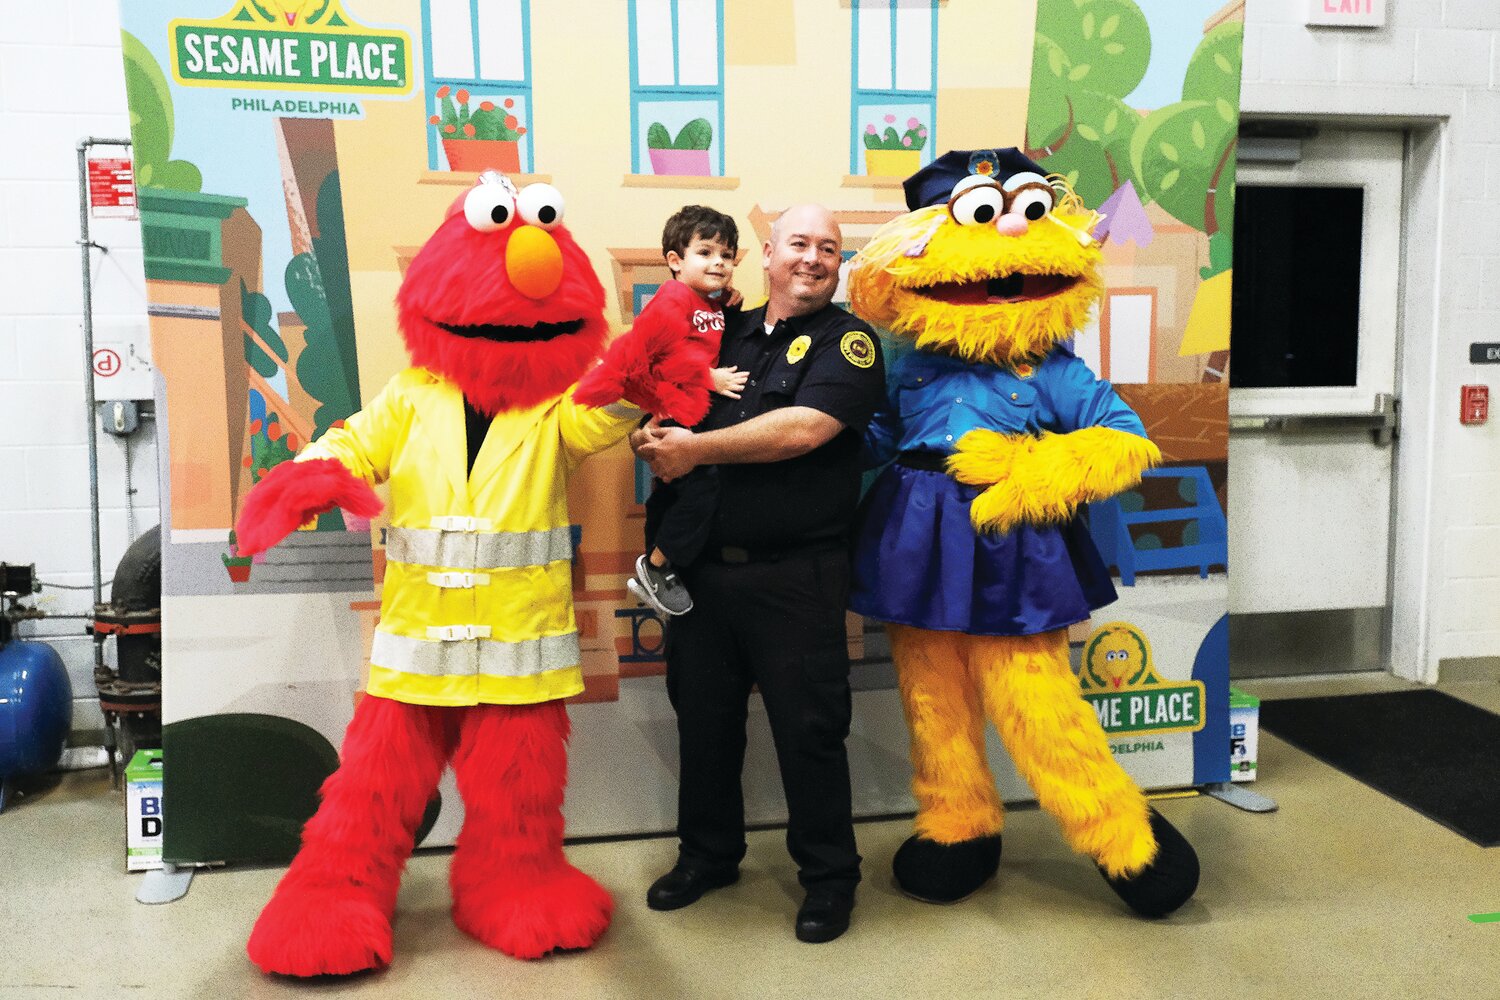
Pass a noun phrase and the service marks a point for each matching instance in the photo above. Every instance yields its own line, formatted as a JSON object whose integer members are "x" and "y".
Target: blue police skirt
{"x": 918, "y": 561}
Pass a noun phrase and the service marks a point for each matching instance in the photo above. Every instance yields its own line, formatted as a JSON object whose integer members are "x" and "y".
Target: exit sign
{"x": 1484, "y": 354}
{"x": 1346, "y": 13}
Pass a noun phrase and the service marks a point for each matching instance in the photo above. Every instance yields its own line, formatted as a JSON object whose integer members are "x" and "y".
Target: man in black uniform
{"x": 770, "y": 590}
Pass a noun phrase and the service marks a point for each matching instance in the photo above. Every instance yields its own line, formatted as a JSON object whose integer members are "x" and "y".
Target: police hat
{"x": 933, "y": 184}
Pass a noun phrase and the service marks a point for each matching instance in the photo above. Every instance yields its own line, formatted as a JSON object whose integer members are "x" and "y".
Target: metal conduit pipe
{"x": 85, "y": 245}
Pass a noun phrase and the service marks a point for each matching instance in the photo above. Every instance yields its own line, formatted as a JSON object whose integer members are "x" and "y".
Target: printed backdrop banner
{"x": 292, "y": 155}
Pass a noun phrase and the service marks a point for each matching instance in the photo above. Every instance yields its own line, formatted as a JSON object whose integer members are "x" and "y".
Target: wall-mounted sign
{"x": 1484, "y": 354}
{"x": 1346, "y": 13}
{"x": 111, "y": 188}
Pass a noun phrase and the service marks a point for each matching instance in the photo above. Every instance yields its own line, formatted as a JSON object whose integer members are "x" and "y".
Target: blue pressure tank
{"x": 36, "y": 709}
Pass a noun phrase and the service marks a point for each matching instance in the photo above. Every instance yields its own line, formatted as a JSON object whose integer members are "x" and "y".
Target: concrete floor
{"x": 1342, "y": 893}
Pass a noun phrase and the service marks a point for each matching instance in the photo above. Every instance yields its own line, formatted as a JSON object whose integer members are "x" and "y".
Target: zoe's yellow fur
{"x": 1042, "y": 480}
{"x": 950, "y": 681}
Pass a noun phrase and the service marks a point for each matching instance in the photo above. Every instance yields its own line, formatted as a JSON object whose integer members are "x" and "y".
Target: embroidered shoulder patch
{"x": 798, "y": 349}
{"x": 858, "y": 349}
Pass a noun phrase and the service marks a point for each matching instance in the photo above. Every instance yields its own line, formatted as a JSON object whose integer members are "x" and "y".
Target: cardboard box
{"x": 1244, "y": 729}
{"x": 143, "y": 812}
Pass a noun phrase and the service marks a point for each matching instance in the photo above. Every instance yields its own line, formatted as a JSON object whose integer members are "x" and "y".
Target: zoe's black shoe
{"x": 1168, "y": 881}
{"x": 945, "y": 873}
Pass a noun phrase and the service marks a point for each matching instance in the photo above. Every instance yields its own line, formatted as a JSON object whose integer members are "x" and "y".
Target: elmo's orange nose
{"x": 533, "y": 262}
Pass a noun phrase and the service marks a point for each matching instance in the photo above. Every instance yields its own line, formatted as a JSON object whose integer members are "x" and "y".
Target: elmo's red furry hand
{"x": 662, "y": 364}
{"x": 668, "y": 379}
{"x": 292, "y": 494}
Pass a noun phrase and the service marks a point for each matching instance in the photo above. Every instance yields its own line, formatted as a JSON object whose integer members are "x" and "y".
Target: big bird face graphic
{"x": 1116, "y": 657}
{"x": 996, "y": 263}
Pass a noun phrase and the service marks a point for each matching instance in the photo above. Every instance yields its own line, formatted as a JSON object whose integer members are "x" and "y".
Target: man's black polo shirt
{"x": 829, "y": 360}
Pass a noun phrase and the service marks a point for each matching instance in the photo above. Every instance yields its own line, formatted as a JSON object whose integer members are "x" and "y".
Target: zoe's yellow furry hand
{"x": 1042, "y": 480}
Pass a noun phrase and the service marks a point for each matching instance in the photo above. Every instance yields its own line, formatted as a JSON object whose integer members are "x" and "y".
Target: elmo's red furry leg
{"x": 512, "y": 887}
{"x": 331, "y": 914}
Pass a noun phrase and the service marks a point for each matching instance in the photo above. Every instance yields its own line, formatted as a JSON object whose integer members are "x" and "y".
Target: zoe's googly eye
{"x": 489, "y": 208}
{"x": 541, "y": 205}
{"x": 1032, "y": 202}
{"x": 978, "y": 206}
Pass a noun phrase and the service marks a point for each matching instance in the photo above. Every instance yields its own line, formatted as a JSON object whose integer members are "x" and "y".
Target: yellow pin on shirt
{"x": 798, "y": 349}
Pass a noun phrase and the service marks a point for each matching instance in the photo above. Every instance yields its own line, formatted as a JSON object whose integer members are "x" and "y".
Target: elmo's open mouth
{"x": 992, "y": 291}
{"x": 514, "y": 334}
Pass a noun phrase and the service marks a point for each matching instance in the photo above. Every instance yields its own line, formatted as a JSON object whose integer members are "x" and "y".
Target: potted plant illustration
{"x": 889, "y": 153}
{"x": 684, "y": 156}
{"x": 238, "y": 566}
{"x": 487, "y": 138}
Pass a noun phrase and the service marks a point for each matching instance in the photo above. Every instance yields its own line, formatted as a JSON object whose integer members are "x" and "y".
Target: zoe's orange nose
{"x": 533, "y": 262}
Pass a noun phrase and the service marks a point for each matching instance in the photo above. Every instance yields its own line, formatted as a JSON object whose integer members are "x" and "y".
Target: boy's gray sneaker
{"x": 660, "y": 588}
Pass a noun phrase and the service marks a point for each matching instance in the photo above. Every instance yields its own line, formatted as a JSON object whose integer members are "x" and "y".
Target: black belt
{"x": 735, "y": 555}
{"x": 927, "y": 461}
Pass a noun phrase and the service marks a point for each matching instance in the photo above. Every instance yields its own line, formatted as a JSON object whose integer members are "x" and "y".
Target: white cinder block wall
{"x": 61, "y": 79}
{"x": 1444, "y": 53}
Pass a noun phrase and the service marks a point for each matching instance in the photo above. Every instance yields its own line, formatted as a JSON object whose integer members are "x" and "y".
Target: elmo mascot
{"x": 477, "y": 645}
{"x": 969, "y": 546}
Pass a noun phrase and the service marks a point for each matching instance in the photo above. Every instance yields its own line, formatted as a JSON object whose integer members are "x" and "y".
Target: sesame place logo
{"x": 290, "y": 45}
{"x": 1119, "y": 680}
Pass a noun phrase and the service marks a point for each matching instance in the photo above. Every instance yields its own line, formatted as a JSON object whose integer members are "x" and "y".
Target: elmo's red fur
{"x": 292, "y": 494}
{"x": 458, "y": 278}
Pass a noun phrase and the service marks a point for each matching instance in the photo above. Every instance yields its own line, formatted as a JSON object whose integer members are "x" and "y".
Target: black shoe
{"x": 824, "y": 916}
{"x": 685, "y": 885}
{"x": 945, "y": 873}
{"x": 1168, "y": 881}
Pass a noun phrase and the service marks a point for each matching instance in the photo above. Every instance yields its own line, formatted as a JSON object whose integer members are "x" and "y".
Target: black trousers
{"x": 779, "y": 625}
{"x": 680, "y": 514}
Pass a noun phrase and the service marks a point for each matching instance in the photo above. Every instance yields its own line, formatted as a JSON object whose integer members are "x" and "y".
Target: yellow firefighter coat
{"x": 478, "y": 602}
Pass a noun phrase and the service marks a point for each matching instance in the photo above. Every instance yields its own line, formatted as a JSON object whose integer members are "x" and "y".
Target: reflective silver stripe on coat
{"x": 467, "y": 657}
{"x": 477, "y": 549}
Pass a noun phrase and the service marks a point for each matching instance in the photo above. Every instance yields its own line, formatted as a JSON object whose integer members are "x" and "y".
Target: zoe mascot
{"x": 477, "y": 645}
{"x": 969, "y": 546}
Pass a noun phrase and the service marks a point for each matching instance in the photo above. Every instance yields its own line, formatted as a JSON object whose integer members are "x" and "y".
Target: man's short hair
{"x": 695, "y": 221}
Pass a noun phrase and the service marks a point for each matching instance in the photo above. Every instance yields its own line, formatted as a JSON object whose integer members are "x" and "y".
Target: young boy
{"x": 700, "y": 245}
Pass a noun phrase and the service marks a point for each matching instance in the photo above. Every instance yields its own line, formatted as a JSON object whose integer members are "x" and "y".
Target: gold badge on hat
{"x": 858, "y": 349}
{"x": 798, "y": 350}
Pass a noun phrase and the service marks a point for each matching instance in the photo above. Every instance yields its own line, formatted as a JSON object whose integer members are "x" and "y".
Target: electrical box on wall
{"x": 1474, "y": 404}
{"x": 122, "y": 360}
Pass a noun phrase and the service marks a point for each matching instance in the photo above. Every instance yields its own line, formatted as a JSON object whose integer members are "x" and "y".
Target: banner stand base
{"x": 1240, "y": 797}
{"x": 166, "y": 884}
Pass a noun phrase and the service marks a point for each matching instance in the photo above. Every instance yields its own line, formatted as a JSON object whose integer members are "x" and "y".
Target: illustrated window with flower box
{"x": 894, "y": 103}
{"x": 478, "y": 72}
{"x": 677, "y": 87}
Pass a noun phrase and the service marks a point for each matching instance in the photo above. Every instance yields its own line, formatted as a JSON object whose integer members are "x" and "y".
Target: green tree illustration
{"x": 151, "y": 123}
{"x": 1088, "y": 55}
{"x": 258, "y": 312}
{"x": 1182, "y": 155}
{"x": 317, "y": 284}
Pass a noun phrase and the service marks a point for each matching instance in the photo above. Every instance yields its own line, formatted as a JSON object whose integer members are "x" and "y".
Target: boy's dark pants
{"x": 680, "y": 514}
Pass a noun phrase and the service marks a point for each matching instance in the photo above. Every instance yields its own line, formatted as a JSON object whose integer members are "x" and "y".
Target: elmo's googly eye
{"x": 1032, "y": 202}
{"x": 489, "y": 207}
{"x": 978, "y": 206}
{"x": 541, "y": 205}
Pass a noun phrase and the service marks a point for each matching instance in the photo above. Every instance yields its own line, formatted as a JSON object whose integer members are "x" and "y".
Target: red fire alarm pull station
{"x": 1474, "y": 404}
